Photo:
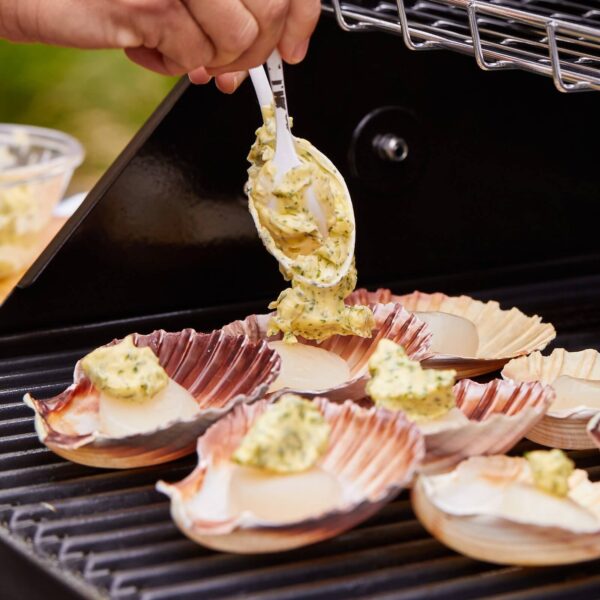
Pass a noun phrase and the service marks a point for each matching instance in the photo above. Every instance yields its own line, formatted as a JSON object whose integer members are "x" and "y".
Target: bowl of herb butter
{"x": 36, "y": 166}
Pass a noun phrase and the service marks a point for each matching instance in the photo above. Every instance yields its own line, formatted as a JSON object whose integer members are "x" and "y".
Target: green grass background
{"x": 97, "y": 96}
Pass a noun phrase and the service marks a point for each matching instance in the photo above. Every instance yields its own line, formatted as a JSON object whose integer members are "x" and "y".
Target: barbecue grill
{"x": 463, "y": 181}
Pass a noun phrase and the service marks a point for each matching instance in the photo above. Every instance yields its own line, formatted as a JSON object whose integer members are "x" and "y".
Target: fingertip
{"x": 199, "y": 76}
{"x": 294, "y": 53}
{"x": 229, "y": 82}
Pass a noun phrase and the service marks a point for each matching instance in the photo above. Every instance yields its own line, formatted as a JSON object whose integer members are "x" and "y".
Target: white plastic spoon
{"x": 262, "y": 86}
{"x": 285, "y": 157}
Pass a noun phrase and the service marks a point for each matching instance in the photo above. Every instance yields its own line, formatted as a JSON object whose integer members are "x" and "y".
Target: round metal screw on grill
{"x": 390, "y": 147}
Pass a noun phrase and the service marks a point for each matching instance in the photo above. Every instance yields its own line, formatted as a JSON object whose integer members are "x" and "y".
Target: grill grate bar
{"x": 19, "y": 442}
{"x": 93, "y": 504}
{"x": 500, "y": 580}
{"x": 22, "y": 459}
{"x": 44, "y": 391}
{"x": 324, "y": 568}
{"x": 13, "y": 410}
{"x": 83, "y": 481}
{"x": 10, "y": 366}
{"x": 71, "y": 552}
{"x": 385, "y": 538}
{"x": 568, "y": 589}
{"x": 16, "y": 426}
{"x": 385, "y": 579}
{"x": 100, "y": 567}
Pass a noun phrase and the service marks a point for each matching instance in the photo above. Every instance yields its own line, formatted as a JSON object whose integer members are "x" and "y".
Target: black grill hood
{"x": 498, "y": 177}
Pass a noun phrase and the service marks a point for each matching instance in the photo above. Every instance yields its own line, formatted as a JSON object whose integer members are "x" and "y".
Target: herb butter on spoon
{"x": 320, "y": 267}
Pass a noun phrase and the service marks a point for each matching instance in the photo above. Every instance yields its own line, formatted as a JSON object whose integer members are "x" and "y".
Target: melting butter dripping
{"x": 307, "y": 368}
{"x": 452, "y": 335}
{"x": 289, "y": 231}
{"x": 230, "y": 490}
{"x": 573, "y": 392}
{"x": 118, "y": 417}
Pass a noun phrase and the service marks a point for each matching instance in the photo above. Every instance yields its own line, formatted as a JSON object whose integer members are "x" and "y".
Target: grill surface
{"x": 105, "y": 533}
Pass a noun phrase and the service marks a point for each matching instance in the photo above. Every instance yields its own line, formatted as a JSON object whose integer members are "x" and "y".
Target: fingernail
{"x": 299, "y": 52}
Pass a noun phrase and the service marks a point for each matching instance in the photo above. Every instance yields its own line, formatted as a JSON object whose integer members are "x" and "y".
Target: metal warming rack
{"x": 556, "y": 38}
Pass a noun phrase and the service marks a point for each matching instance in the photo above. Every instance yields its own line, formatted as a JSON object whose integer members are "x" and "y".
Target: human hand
{"x": 205, "y": 38}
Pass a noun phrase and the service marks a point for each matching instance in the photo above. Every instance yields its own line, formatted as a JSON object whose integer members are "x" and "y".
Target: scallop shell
{"x": 593, "y": 429}
{"x": 372, "y": 453}
{"x": 500, "y": 414}
{"x": 500, "y": 334}
{"x": 391, "y": 321}
{"x": 521, "y": 539}
{"x": 560, "y": 428}
{"x": 219, "y": 370}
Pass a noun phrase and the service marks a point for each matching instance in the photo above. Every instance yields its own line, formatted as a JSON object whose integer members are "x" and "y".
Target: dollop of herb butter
{"x": 125, "y": 371}
{"x": 318, "y": 313}
{"x": 398, "y": 383}
{"x": 286, "y": 225}
{"x": 289, "y": 437}
{"x": 551, "y": 470}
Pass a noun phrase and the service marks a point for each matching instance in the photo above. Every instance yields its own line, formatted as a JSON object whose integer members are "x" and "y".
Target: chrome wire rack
{"x": 556, "y": 38}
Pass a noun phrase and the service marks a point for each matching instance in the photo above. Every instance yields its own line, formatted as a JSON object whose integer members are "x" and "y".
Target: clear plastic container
{"x": 36, "y": 165}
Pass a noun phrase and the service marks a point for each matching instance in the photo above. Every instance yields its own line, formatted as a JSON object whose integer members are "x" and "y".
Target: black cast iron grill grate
{"x": 108, "y": 533}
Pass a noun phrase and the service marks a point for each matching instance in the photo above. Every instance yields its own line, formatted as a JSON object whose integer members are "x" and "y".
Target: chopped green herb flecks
{"x": 399, "y": 383}
{"x": 288, "y": 228}
{"x": 125, "y": 371}
{"x": 289, "y": 437}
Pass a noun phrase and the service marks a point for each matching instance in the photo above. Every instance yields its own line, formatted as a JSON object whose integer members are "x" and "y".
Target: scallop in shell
{"x": 470, "y": 336}
{"x": 488, "y": 508}
{"x": 215, "y": 371}
{"x": 372, "y": 454}
{"x": 338, "y": 366}
{"x": 575, "y": 376}
{"x": 488, "y": 419}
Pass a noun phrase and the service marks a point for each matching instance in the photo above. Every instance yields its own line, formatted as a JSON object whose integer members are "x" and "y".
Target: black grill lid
{"x": 498, "y": 172}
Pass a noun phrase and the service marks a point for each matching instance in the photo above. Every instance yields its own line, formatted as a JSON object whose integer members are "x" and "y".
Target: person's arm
{"x": 204, "y": 38}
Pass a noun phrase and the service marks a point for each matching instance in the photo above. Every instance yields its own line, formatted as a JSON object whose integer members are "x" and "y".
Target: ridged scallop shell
{"x": 503, "y": 334}
{"x": 564, "y": 428}
{"x": 373, "y": 452}
{"x": 220, "y": 371}
{"x": 593, "y": 430}
{"x": 391, "y": 321}
{"x": 503, "y": 540}
{"x": 500, "y": 414}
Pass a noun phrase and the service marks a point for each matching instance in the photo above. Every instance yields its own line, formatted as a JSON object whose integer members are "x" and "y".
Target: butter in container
{"x": 36, "y": 166}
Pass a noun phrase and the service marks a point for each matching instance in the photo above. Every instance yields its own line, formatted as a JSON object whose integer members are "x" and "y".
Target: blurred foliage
{"x": 97, "y": 96}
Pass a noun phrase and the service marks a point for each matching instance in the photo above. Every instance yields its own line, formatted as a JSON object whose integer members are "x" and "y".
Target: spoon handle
{"x": 261, "y": 86}
{"x": 285, "y": 152}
